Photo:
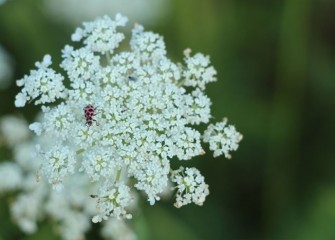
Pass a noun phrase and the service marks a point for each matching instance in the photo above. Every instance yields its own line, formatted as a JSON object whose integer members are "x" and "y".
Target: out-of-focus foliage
{"x": 276, "y": 81}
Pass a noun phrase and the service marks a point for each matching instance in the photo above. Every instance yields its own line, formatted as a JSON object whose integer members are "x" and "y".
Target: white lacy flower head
{"x": 112, "y": 201}
{"x": 43, "y": 85}
{"x": 32, "y": 199}
{"x": 126, "y": 113}
{"x": 191, "y": 187}
{"x": 222, "y": 138}
{"x": 199, "y": 72}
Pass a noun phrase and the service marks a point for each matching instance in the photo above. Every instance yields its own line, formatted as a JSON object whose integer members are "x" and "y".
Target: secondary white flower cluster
{"x": 222, "y": 138}
{"x": 43, "y": 84}
{"x": 126, "y": 113}
{"x": 191, "y": 187}
{"x": 113, "y": 199}
{"x": 33, "y": 201}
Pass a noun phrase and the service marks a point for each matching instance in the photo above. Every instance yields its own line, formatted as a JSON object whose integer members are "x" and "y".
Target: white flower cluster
{"x": 198, "y": 72}
{"x": 222, "y": 138}
{"x": 125, "y": 115}
{"x": 191, "y": 187}
{"x": 43, "y": 84}
{"x": 60, "y": 162}
{"x": 99, "y": 36}
{"x": 113, "y": 199}
{"x": 34, "y": 201}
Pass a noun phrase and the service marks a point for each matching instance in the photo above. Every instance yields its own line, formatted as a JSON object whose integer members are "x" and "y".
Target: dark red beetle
{"x": 89, "y": 112}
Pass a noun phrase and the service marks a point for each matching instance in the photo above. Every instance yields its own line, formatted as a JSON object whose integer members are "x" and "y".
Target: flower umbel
{"x": 222, "y": 138}
{"x": 112, "y": 200}
{"x": 191, "y": 187}
{"x": 43, "y": 85}
{"x": 147, "y": 107}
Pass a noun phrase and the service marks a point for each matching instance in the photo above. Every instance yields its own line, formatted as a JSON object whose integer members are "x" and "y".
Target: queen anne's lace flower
{"x": 97, "y": 164}
{"x": 191, "y": 187}
{"x": 32, "y": 200}
{"x": 43, "y": 85}
{"x": 101, "y": 35}
{"x": 152, "y": 177}
{"x": 145, "y": 105}
{"x": 222, "y": 138}
{"x": 80, "y": 64}
{"x": 198, "y": 107}
{"x": 59, "y": 162}
{"x": 198, "y": 72}
{"x": 112, "y": 201}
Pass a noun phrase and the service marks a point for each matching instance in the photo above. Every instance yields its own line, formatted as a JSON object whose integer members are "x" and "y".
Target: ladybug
{"x": 89, "y": 112}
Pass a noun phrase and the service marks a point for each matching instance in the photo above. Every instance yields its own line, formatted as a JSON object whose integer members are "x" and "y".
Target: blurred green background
{"x": 276, "y": 83}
